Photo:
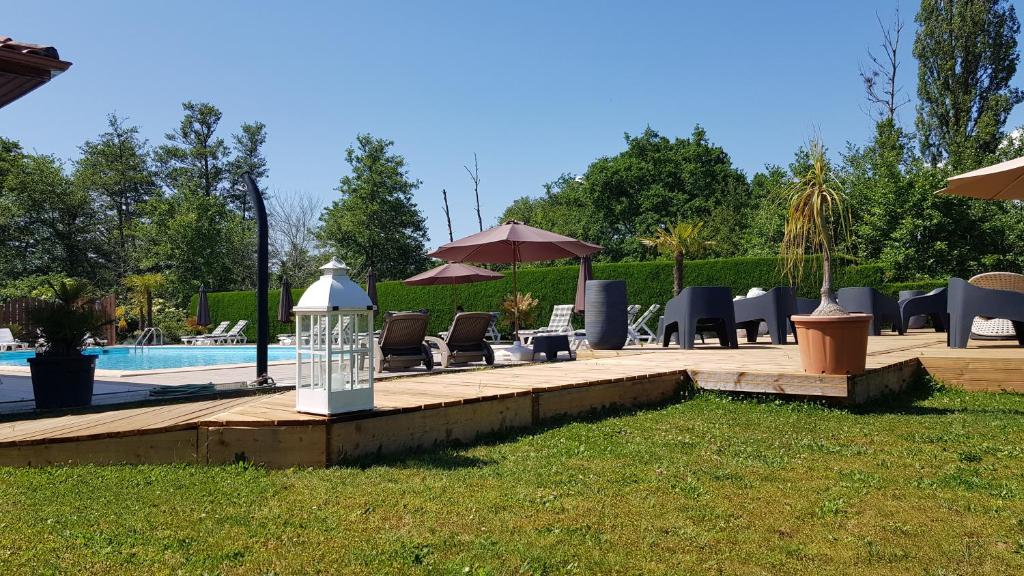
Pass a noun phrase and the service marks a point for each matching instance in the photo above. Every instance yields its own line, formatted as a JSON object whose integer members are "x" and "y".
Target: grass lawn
{"x": 714, "y": 485}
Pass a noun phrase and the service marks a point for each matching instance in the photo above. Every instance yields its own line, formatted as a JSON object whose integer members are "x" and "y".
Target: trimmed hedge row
{"x": 646, "y": 283}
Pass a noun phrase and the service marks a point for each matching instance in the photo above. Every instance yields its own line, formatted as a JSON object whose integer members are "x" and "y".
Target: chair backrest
{"x": 468, "y": 329}
{"x": 631, "y": 311}
{"x": 642, "y": 320}
{"x": 999, "y": 281}
{"x": 6, "y": 335}
{"x": 561, "y": 317}
{"x": 220, "y": 328}
{"x": 404, "y": 330}
{"x": 238, "y": 327}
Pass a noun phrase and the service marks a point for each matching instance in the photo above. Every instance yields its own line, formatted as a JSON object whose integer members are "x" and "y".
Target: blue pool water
{"x": 158, "y": 357}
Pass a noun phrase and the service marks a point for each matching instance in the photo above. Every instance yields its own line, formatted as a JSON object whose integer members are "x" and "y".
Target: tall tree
{"x": 194, "y": 158}
{"x": 474, "y": 175}
{"x": 116, "y": 169}
{"x": 376, "y": 224}
{"x": 967, "y": 56}
{"x": 247, "y": 146}
{"x": 880, "y": 78}
{"x": 294, "y": 251}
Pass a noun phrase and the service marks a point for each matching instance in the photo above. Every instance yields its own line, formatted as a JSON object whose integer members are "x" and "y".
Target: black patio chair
{"x": 883, "y": 309}
{"x": 704, "y": 308}
{"x": 774, "y": 308}
{"x": 806, "y": 305}
{"x": 933, "y": 304}
{"x": 965, "y": 301}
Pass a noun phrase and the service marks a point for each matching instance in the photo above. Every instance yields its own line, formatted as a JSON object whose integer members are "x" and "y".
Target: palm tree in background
{"x": 684, "y": 239}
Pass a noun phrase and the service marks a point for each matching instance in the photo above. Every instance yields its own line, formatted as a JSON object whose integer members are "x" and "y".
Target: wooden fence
{"x": 16, "y": 311}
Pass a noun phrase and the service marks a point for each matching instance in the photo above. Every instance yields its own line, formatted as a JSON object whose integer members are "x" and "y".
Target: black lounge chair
{"x": 806, "y": 305}
{"x": 883, "y": 309}
{"x": 703, "y": 308}
{"x": 774, "y": 308}
{"x": 401, "y": 344}
{"x": 965, "y": 301}
{"x": 933, "y": 304}
{"x": 466, "y": 340}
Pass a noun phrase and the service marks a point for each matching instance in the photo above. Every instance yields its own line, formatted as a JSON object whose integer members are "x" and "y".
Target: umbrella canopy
{"x": 25, "y": 67}
{"x": 452, "y": 273}
{"x": 371, "y": 286}
{"x": 586, "y": 273}
{"x": 284, "y": 304}
{"x": 1003, "y": 181}
{"x": 203, "y": 308}
{"x": 511, "y": 243}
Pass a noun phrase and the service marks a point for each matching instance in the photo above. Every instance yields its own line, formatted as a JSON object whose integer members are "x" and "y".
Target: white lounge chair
{"x": 91, "y": 341}
{"x": 9, "y": 342}
{"x": 233, "y": 336}
{"x": 638, "y": 331}
{"x": 560, "y": 323}
{"x": 218, "y": 331}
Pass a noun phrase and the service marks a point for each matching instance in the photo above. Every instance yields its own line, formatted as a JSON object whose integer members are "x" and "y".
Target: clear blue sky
{"x": 535, "y": 88}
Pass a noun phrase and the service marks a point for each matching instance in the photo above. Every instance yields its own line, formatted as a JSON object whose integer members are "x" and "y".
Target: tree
{"x": 474, "y": 175}
{"x": 376, "y": 224}
{"x": 678, "y": 241}
{"x": 141, "y": 288}
{"x": 967, "y": 56}
{"x": 196, "y": 239}
{"x": 116, "y": 169}
{"x": 817, "y": 213}
{"x": 879, "y": 79}
{"x": 622, "y": 198}
{"x": 194, "y": 158}
{"x": 294, "y": 251}
{"x": 247, "y": 146}
{"x": 447, "y": 214}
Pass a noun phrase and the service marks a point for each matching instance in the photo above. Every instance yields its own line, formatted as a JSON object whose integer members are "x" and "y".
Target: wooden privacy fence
{"x": 16, "y": 311}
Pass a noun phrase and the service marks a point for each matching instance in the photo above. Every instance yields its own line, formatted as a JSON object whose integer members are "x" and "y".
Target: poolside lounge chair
{"x": 560, "y": 323}
{"x": 401, "y": 344}
{"x": 465, "y": 341}
{"x": 9, "y": 342}
{"x": 967, "y": 301}
{"x": 774, "y": 307}
{"x": 91, "y": 341}
{"x": 234, "y": 336}
{"x": 883, "y": 309}
{"x": 492, "y": 329}
{"x": 639, "y": 332}
{"x": 704, "y": 309}
{"x": 933, "y": 304}
{"x": 218, "y": 331}
{"x": 984, "y": 328}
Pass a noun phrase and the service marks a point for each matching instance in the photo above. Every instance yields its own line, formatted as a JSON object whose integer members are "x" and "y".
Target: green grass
{"x": 713, "y": 485}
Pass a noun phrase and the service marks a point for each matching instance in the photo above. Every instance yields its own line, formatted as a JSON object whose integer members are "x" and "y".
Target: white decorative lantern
{"x": 334, "y": 345}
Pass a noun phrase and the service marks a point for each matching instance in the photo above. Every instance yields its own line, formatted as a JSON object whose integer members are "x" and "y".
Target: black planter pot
{"x": 605, "y": 314}
{"x": 62, "y": 382}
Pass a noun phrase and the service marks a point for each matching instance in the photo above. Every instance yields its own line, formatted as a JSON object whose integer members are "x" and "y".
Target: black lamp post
{"x": 262, "y": 278}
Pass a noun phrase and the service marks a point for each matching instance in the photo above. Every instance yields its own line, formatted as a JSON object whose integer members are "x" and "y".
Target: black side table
{"x": 551, "y": 345}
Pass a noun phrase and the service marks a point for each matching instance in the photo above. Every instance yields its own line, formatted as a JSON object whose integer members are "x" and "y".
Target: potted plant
{"x": 830, "y": 339}
{"x": 62, "y": 376}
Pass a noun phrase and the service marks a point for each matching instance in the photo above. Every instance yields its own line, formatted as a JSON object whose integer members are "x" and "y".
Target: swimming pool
{"x": 125, "y": 358}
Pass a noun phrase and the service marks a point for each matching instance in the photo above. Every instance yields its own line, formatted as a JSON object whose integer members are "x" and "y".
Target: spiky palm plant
{"x": 683, "y": 240}
{"x": 816, "y": 215}
{"x": 67, "y": 318}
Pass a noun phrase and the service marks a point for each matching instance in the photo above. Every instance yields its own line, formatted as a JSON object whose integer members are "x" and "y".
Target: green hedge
{"x": 646, "y": 283}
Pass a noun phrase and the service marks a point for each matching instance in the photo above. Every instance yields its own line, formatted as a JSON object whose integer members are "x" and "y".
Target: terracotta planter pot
{"x": 833, "y": 344}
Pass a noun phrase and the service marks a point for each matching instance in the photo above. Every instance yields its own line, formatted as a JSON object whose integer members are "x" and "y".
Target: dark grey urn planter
{"x": 605, "y": 314}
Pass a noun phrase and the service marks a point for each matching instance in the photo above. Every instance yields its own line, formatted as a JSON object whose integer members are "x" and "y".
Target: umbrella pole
{"x": 515, "y": 294}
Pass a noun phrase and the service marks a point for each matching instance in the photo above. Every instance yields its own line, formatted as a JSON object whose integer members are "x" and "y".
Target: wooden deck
{"x": 419, "y": 412}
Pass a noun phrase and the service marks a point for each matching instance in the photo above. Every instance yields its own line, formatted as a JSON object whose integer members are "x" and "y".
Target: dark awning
{"x": 25, "y": 67}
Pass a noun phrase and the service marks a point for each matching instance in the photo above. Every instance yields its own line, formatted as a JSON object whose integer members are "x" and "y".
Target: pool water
{"x": 126, "y": 358}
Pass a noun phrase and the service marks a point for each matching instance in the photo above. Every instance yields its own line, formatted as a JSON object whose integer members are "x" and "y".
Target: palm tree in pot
{"x": 62, "y": 376}
{"x": 831, "y": 340}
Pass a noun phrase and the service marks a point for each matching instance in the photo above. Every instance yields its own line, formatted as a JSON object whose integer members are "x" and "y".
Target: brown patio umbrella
{"x": 511, "y": 243}
{"x": 1003, "y": 181}
{"x": 586, "y": 273}
{"x": 284, "y": 303}
{"x": 452, "y": 273}
{"x": 25, "y": 67}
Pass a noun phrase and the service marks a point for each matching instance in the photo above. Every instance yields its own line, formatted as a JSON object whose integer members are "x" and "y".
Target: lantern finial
{"x": 335, "y": 268}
